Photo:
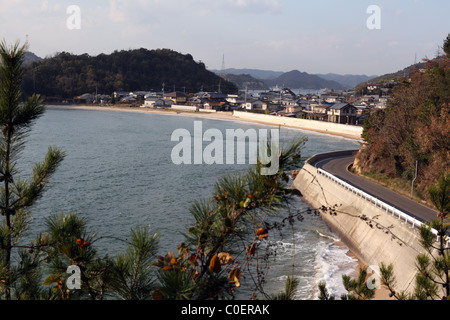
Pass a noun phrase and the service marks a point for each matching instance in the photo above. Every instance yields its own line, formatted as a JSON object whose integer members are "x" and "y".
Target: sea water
{"x": 118, "y": 174}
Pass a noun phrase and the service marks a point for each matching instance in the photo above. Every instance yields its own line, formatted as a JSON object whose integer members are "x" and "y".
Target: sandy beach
{"x": 210, "y": 115}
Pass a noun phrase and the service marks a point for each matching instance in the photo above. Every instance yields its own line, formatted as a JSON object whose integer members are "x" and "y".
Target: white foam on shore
{"x": 332, "y": 262}
{"x": 317, "y": 258}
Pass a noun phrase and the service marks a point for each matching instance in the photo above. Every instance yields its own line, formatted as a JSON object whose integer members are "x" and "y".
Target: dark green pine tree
{"x": 447, "y": 46}
{"x": 17, "y": 195}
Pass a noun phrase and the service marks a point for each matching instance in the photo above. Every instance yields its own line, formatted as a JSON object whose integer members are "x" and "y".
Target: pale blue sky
{"x": 318, "y": 36}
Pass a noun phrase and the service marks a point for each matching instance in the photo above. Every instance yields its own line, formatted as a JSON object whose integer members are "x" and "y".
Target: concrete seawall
{"x": 373, "y": 235}
{"x": 353, "y": 132}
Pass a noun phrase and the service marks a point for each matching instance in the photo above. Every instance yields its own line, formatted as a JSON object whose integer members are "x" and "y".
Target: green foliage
{"x": 17, "y": 195}
{"x": 133, "y": 278}
{"x": 440, "y": 194}
{"x": 222, "y": 244}
{"x": 66, "y": 75}
{"x": 203, "y": 268}
{"x": 235, "y": 221}
{"x": 129, "y": 276}
{"x": 323, "y": 292}
{"x": 447, "y": 46}
{"x": 389, "y": 280}
{"x": 289, "y": 291}
{"x": 357, "y": 289}
{"x": 177, "y": 284}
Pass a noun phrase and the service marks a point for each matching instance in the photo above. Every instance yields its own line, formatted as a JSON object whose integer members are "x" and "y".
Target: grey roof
{"x": 339, "y": 106}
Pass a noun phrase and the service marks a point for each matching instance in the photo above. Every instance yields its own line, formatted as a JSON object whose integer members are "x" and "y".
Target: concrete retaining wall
{"x": 184, "y": 108}
{"x": 327, "y": 127}
{"x": 373, "y": 235}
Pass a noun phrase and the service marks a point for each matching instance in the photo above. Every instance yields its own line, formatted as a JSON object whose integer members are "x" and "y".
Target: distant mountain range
{"x": 349, "y": 81}
{"x": 243, "y": 81}
{"x": 301, "y": 80}
{"x": 294, "y": 79}
{"x": 256, "y": 79}
{"x": 255, "y": 73}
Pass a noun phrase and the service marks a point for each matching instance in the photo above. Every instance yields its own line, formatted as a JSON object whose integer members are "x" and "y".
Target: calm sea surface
{"x": 118, "y": 174}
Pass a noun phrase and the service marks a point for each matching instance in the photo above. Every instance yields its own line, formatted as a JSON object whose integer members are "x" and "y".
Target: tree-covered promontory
{"x": 66, "y": 75}
{"x": 413, "y": 131}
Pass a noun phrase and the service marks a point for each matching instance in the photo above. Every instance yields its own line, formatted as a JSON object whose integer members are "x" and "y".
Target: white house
{"x": 255, "y": 105}
{"x": 155, "y": 102}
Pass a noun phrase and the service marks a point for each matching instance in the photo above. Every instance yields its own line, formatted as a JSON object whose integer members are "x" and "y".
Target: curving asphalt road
{"x": 338, "y": 165}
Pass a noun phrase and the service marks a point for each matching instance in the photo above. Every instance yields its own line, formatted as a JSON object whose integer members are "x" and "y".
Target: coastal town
{"x": 344, "y": 107}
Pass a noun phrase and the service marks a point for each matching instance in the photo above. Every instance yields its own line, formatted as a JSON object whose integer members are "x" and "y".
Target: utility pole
{"x": 414, "y": 180}
{"x": 246, "y": 89}
{"x": 223, "y": 63}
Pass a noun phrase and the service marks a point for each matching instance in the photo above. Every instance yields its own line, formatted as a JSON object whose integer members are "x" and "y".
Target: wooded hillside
{"x": 66, "y": 75}
{"x": 414, "y": 127}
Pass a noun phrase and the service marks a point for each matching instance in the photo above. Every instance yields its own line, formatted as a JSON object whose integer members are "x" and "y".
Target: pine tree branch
{"x": 28, "y": 194}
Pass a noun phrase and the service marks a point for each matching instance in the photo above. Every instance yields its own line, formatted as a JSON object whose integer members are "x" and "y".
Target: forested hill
{"x": 413, "y": 132}
{"x": 66, "y": 75}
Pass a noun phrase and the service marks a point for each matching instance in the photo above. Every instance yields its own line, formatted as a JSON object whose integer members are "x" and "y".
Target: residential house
{"x": 232, "y": 98}
{"x": 373, "y": 86}
{"x": 128, "y": 99}
{"x": 177, "y": 97}
{"x": 155, "y": 102}
{"x": 317, "y": 112}
{"x": 255, "y": 105}
{"x": 293, "y": 108}
{"x": 343, "y": 113}
{"x": 289, "y": 102}
{"x": 120, "y": 94}
{"x": 288, "y": 94}
{"x": 138, "y": 95}
{"x": 289, "y": 111}
{"x": 209, "y": 100}
{"x": 85, "y": 98}
{"x": 213, "y": 105}
{"x": 360, "y": 109}
{"x": 198, "y": 102}
{"x": 321, "y": 109}
{"x": 320, "y": 112}
{"x": 331, "y": 98}
{"x": 383, "y": 102}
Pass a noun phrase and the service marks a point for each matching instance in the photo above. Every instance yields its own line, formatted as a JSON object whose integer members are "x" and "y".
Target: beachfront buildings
{"x": 344, "y": 107}
{"x": 177, "y": 97}
{"x": 255, "y": 105}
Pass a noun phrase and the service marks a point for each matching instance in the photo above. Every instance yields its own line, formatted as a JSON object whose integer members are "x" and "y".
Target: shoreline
{"x": 381, "y": 294}
{"x": 209, "y": 115}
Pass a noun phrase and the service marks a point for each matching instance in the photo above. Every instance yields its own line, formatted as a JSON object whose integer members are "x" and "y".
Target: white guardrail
{"x": 378, "y": 203}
